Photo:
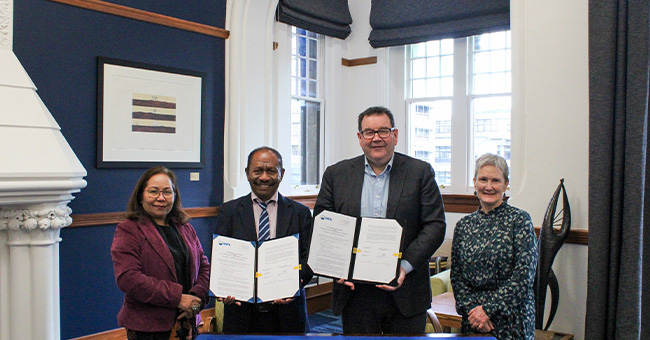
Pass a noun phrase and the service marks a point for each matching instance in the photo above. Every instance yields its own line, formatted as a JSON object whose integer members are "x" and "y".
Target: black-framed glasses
{"x": 154, "y": 193}
{"x": 383, "y": 133}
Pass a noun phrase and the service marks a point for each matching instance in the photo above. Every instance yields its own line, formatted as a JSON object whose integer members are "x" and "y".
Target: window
{"x": 306, "y": 106}
{"x": 459, "y": 90}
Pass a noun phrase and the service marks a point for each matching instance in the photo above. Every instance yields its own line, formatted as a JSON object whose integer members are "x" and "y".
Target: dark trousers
{"x": 135, "y": 335}
{"x": 265, "y": 318}
{"x": 371, "y": 310}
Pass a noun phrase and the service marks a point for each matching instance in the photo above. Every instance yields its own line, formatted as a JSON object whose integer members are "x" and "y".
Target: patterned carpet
{"x": 325, "y": 322}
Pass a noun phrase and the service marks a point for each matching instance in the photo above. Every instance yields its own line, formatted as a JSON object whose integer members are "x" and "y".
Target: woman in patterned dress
{"x": 494, "y": 258}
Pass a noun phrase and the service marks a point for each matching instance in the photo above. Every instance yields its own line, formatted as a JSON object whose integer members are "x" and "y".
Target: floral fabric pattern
{"x": 494, "y": 260}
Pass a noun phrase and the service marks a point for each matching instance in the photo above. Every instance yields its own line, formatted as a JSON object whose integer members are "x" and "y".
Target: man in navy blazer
{"x": 239, "y": 218}
{"x": 382, "y": 183}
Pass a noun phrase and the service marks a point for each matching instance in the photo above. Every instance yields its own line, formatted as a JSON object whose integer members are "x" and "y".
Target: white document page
{"x": 232, "y": 268}
{"x": 278, "y": 269}
{"x": 331, "y": 244}
{"x": 377, "y": 250}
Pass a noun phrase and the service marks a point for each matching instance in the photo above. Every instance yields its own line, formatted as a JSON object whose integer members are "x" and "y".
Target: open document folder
{"x": 255, "y": 271}
{"x": 357, "y": 249}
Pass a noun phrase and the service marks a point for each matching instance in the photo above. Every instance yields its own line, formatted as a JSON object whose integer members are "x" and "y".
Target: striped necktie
{"x": 264, "y": 226}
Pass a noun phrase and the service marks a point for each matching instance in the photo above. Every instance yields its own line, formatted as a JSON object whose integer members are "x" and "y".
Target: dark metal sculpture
{"x": 550, "y": 242}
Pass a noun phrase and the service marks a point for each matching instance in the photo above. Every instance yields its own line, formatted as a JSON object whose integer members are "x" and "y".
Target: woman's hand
{"x": 479, "y": 320}
{"x": 190, "y": 305}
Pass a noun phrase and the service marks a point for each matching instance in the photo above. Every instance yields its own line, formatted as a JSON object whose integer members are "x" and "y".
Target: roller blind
{"x": 328, "y": 17}
{"x": 402, "y": 22}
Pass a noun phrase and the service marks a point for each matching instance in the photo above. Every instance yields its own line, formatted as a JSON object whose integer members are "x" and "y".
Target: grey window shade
{"x": 402, "y": 22}
{"x": 329, "y": 17}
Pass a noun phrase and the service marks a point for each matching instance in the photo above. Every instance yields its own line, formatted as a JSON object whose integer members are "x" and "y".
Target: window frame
{"x": 462, "y": 133}
{"x": 305, "y": 189}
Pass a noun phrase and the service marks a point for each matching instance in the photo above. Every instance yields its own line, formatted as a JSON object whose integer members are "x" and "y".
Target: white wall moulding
{"x": 155, "y": 18}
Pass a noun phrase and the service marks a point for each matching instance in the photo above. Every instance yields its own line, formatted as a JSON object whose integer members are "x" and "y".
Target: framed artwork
{"x": 149, "y": 115}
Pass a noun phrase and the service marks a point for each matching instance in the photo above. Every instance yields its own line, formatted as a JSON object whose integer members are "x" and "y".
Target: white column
{"x": 38, "y": 175}
{"x": 32, "y": 253}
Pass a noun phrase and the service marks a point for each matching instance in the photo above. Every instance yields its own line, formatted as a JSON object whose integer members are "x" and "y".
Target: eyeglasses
{"x": 154, "y": 193}
{"x": 383, "y": 133}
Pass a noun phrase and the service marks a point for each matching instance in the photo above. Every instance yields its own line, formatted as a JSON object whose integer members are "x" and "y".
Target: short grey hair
{"x": 492, "y": 159}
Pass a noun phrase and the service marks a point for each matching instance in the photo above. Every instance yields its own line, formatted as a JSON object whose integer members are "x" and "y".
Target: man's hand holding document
{"x": 255, "y": 271}
{"x": 356, "y": 249}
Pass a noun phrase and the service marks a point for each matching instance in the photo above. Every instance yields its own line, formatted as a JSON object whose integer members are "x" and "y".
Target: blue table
{"x": 317, "y": 336}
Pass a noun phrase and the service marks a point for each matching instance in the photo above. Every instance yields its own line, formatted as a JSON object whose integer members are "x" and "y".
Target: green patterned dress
{"x": 494, "y": 258}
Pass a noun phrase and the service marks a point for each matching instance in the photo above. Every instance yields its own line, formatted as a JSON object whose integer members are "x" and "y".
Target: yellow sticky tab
{"x": 299, "y": 267}
{"x": 399, "y": 255}
{"x": 356, "y": 250}
{"x": 258, "y": 274}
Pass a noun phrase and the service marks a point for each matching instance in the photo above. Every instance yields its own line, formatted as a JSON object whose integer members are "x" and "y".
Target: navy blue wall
{"x": 58, "y": 45}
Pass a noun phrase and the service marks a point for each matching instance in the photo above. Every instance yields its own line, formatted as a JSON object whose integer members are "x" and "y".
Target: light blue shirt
{"x": 374, "y": 196}
{"x": 374, "y": 193}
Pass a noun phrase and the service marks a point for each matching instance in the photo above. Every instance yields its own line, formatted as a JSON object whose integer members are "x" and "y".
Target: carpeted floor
{"x": 325, "y": 322}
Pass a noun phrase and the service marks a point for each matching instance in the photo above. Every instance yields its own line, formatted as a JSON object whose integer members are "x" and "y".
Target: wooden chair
{"x": 432, "y": 319}
{"x": 212, "y": 319}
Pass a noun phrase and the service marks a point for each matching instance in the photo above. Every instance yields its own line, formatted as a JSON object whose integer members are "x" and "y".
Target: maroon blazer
{"x": 145, "y": 272}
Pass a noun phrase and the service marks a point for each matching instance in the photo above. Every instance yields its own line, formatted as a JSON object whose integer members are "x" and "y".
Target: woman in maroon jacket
{"x": 159, "y": 262}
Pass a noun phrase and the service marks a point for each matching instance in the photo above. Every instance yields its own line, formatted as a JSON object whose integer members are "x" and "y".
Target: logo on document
{"x": 325, "y": 218}
{"x": 224, "y": 243}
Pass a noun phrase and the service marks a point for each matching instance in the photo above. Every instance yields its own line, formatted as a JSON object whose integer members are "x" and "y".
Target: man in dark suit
{"x": 240, "y": 218}
{"x": 382, "y": 183}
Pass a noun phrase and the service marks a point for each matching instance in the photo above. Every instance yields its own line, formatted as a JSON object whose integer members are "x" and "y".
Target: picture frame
{"x": 149, "y": 115}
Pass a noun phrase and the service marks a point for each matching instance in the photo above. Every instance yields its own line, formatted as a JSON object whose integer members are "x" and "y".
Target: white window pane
{"x": 418, "y": 68}
{"x": 313, "y": 90}
{"x": 498, "y": 40}
{"x": 481, "y": 42}
{"x": 294, "y": 86}
{"x": 481, "y": 84}
{"x": 431, "y": 142}
{"x": 418, "y": 50}
{"x": 481, "y": 62}
{"x": 447, "y": 65}
{"x": 447, "y": 46}
{"x": 302, "y": 46}
{"x": 313, "y": 48}
{"x": 433, "y": 47}
{"x": 433, "y": 87}
{"x": 294, "y": 66}
{"x": 303, "y": 87}
{"x": 497, "y": 83}
{"x": 302, "y": 71}
{"x": 419, "y": 88}
{"x": 447, "y": 86}
{"x": 508, "y": 82}
{"x": 491, "y": 119}
{"x": 304, "y": 165}
{"x": 313, "y": 69}
{"x": 498, "y": 60}
{"x": 433, "y": 67}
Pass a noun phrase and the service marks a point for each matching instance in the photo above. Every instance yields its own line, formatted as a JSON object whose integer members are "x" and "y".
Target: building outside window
{"x": 306, "y": 106}
{"x": 460, "y": 91}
